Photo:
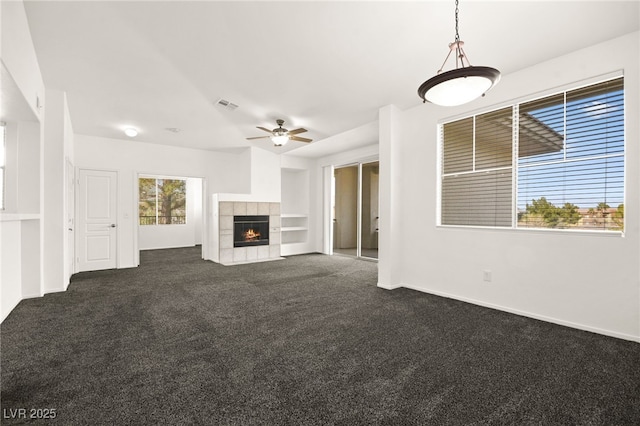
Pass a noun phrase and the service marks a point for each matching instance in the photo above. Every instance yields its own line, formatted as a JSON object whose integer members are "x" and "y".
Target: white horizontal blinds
{"x": 476, "y": 180}
{"x": 571, "y": 159}
{"x": 494, "y": 139}
{"x": 477, "y": 199}
{"x": 457, "y": 148}
{"x": 541, "y": 130}
{"x": 457, "y": 156}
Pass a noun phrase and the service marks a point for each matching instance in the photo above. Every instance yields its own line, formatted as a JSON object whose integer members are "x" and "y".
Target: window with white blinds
{"x": 477, "y": 175}
{"x": 555, "y": 162}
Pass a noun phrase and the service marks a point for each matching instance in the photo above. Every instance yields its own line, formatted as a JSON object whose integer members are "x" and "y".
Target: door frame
{"x": 70, "y": 212}
{"x": 330, "y": 200}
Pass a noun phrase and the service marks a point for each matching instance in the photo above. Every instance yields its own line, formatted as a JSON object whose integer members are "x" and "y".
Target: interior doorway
{"x": 171, "y": 212}
{"x": 355, "y": 210}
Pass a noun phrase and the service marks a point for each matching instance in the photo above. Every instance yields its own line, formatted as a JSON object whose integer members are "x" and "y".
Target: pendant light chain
{"x": 457, "y": 35}
{"x": 457, "y": 39}
{"x": 462, "y": 84}
{"x": 459, "y": 51}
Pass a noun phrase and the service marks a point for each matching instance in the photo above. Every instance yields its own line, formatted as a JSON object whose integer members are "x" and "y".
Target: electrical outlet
{"x": 486, "y": 275}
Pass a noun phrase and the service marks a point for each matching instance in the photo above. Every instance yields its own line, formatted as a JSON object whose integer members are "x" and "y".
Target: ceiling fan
{"x": 280, "y": 136}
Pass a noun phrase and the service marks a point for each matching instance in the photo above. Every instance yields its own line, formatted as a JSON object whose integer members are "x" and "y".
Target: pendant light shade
{"x": 460, "y": 85}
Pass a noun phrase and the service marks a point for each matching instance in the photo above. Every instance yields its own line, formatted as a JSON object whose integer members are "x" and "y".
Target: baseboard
{"x": 389, "y": 286}
{"x": 55, "y": 290}
{"x": 270, "y": 259}
{"x": 6, "y": 314}
{"x": 545, "y": 318}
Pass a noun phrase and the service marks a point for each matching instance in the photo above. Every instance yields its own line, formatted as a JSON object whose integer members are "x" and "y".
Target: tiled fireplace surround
{"x": 230, "y": 255}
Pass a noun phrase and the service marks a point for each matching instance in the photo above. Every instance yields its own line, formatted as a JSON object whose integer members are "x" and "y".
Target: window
{"x": 162, "y": 201}
{"x": 2, "y": 162}
{"x": 555, "y": 162}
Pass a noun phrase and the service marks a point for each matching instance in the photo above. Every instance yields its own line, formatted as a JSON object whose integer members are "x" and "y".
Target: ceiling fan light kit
{"x": 462, "y": 84}
{"x": 280, "y": 136}
{"x": 280, "y": 139}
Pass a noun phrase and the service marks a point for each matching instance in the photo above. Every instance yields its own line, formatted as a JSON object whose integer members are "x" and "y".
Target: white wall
{"x": 295, "y": 191}
{"x": 590, "y": 281}
{"x": 11, "y": 168}
{"x": 223, "y": 172}
{"x": 185, "y": 235}
{"x": 392, "y": 173}
{"x": 20, "y": 224}
{"x": 28, "y": 168}
{"x": 18, "y": 54}
{"x": 58, "y": 145}
{"x": 195, "y": 213}
{"x": 11, "y": 272}
{"x": 20, "y": 255}
{"x": 265, "y": 174}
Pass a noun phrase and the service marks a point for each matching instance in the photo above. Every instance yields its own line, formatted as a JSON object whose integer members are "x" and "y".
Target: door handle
{"x": 113, "y": 225}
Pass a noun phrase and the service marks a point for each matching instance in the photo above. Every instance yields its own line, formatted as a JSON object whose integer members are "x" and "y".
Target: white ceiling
{"x": 327, "y": 66}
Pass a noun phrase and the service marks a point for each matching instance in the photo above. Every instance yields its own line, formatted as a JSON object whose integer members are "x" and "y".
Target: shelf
{"x": 293, "y": 228}
{"x": 17, "y": 217}
{"x": 287, "y": 215}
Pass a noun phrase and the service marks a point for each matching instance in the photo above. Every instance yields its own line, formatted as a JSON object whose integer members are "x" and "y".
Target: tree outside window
{"x": 162, "y": 201}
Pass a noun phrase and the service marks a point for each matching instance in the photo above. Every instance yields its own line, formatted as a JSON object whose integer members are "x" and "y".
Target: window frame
{"x": 157, "y": 178}
{"x": 515, "y": 167}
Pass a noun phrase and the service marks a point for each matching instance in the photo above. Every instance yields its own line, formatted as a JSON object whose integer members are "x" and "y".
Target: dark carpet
{"x": 307, "y": 340}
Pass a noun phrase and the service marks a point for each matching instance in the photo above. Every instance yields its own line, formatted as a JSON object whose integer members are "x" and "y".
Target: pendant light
{"x": 461, "y": 85}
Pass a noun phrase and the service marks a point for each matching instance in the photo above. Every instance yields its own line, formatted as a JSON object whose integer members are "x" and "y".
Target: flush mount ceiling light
{"x": 131, "y": 132}
{"x": 461, "y": 85}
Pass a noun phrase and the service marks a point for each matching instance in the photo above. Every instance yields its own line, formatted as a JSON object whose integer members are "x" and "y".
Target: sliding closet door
{"x": 355, "y": 210}
{"x": 345, "y": 210}
{"x": 369, "y": 210}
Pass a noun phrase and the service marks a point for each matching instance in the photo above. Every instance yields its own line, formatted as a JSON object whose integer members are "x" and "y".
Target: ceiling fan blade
{"x": 266, "y": 130}
{"x": 258, "y": 137}
{"x": 299, "y": 139}
{"x": 296, "y": 131}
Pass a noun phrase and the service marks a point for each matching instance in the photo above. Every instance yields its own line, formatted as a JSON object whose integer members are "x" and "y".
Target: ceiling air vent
{"x": 223, "y": 103}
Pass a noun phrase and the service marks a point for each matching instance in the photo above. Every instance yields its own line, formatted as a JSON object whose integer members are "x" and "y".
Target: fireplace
{"x": 250, "y": 231}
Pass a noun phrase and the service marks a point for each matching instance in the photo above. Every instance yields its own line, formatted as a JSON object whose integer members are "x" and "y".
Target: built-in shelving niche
{"x": 295, "y": 211}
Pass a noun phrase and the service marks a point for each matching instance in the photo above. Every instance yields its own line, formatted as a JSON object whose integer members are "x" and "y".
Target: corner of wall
{"x": 390, "y": 220}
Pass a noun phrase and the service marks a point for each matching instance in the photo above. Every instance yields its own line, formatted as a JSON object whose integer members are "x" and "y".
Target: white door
{"x": 97, "y": 225}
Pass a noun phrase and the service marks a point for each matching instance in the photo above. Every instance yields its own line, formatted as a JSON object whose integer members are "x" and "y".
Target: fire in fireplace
{"x": 250, "y": 231}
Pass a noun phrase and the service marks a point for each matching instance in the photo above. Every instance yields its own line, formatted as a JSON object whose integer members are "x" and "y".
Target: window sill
{"x": 576, "y": 232}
